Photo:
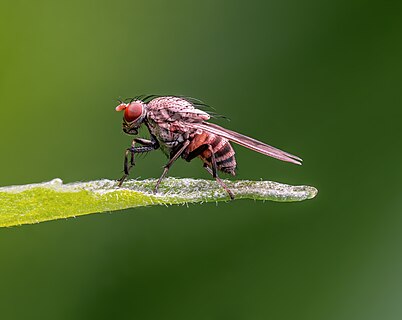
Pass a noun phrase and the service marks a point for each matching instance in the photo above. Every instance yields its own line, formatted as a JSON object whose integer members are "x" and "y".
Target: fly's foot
{"x": 121, "y": 180}
{"x": 230, "y": 193}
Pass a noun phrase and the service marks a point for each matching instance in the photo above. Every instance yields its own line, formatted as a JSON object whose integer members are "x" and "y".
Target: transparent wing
{"x": 248, "y": 142}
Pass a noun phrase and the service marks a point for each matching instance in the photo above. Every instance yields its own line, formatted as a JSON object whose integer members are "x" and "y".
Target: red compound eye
{"x": 132, "y": 111}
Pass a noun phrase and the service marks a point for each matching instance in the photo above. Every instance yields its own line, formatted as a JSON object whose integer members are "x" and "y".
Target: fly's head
{"x": 134, "y": 115}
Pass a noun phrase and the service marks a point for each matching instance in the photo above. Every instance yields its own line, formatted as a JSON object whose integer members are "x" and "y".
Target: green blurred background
{"x": 320, "y": 79}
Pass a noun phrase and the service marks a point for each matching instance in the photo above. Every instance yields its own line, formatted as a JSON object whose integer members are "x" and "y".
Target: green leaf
{"x": 52, "y": 200}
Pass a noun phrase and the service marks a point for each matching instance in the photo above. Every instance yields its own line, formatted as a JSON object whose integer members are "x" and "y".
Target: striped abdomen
{"x": 202, "y": 144}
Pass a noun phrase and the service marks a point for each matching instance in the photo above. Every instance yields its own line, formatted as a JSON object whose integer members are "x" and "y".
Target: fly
{"x": 180, "y": 128}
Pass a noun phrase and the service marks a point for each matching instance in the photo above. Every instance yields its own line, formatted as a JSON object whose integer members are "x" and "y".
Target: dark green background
{"x": 321, "y": 79}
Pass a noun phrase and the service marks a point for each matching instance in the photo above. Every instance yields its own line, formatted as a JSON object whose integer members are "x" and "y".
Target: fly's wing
{"x": 175, "y": 109}
{"x": 178, "y": 114}
{"x": 248, "y": 142}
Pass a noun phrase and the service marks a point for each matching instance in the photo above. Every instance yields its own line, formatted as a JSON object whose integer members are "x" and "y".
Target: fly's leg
{"x": 173, "y": 158}
{"x": 220, "y": 182}
{"x": 127, "y": 168}
{"x": 147, "y": 145}
{"x": 195, "y": 153}
{"x": 214, "y": 173}
{"x": 143, "y": 142}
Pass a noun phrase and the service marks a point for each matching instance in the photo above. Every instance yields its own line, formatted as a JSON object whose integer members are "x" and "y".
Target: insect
{"x": 180, "y": 128}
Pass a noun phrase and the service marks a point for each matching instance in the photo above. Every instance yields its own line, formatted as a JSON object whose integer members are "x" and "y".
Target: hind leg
{"x": 214, "y": 173}
{"x": 220, "y": 182}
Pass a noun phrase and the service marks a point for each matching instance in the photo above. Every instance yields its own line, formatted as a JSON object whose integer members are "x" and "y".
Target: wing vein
{"x": 249, "y": 142}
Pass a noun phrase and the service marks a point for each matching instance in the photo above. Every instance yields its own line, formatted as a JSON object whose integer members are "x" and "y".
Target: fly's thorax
{"x": 169, "y": 134}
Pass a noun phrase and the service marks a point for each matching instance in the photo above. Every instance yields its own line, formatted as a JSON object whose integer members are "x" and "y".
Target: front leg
{"x": 133, "y": 150}
{"x": 147, "y": 145}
